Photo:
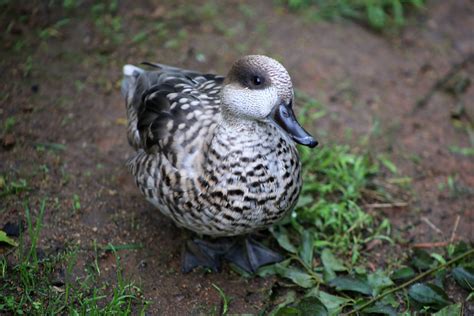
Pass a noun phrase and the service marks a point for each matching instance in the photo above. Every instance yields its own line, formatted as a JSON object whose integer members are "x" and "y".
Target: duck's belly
{"x": 241, "y": 187}
{"x": 236, "y": 198}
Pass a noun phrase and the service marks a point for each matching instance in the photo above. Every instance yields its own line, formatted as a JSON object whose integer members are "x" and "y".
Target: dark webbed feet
{"x": 245, "y": 253}
{"x": 249, "y": 255}
{"x": 202, "y": 253}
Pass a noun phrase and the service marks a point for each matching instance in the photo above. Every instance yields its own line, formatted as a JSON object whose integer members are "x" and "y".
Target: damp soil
{"x": 61, "y": 83}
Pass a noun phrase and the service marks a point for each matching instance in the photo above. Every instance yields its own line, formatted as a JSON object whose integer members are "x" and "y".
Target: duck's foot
{"x": 249, "y": 255}
{"x": 202, "y": 253}
{"x": 245, "y": 253}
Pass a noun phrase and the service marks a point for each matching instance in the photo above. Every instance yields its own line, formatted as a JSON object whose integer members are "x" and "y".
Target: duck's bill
{"x": 284, "y": 116}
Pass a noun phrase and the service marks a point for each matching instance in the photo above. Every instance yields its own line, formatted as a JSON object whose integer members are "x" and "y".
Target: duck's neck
{"x": 241, "y": 130}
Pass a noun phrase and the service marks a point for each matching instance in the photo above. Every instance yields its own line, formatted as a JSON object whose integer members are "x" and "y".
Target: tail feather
{"x": 131, "y": 76}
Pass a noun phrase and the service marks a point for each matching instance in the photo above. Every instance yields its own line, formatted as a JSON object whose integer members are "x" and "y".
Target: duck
{"x": 216, "y": 154}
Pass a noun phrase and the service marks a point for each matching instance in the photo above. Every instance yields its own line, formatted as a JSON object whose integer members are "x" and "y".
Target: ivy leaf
{"x": 379, "y": 281}
{"x": 403, "y": 274}
{"x": 297, "y": 276}
{"x": 464, "y": 277}
{"x": 429, "y": 295}
{"x": 450, "y": 310}
{"x": 5, "y": 239}
{"x": 347, "y": 283}
{"x": 281, "y": 235}
{"x": 312, "y": 306}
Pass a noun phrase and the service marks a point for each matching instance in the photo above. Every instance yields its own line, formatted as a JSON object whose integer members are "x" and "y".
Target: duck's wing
{"x": 169, "y": 108}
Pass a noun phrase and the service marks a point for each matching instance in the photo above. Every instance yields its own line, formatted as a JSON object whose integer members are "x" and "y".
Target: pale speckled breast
{"x": 243, "y": 180}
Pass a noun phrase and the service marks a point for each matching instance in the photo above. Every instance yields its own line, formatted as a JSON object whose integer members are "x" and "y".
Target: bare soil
{"x": 65, "y": 90}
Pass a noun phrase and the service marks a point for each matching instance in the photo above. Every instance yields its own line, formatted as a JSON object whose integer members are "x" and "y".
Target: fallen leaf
{"x": 5, "y": 239}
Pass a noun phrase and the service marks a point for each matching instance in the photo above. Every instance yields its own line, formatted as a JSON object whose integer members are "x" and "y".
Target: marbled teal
{"x": 217, "y": 155}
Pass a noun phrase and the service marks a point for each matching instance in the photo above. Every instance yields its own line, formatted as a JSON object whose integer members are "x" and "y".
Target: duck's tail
{"x": 130, "y": 80}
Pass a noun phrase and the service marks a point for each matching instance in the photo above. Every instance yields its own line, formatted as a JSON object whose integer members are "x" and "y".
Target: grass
{"x": 29, "y": 287}
{"x": 377, "y": 14}
{"x": 12, "y": 187}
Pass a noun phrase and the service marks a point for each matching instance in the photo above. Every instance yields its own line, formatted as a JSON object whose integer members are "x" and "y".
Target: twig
{"x": 455, "y": 228}
{"x": 433, "y": 226}
{"x": 440, "y": 83}
{"x": 431, "y": 244}
{"x": 408, "y": 283}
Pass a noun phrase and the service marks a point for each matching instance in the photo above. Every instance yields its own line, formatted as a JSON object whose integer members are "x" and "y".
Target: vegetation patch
{"x": 328, "y": 268}
{"x": 33, "y": 283}
{"x": 378, "y": 15}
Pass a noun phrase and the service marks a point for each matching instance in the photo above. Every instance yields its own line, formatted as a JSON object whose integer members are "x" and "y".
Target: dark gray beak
{"x": 284, "y": 116}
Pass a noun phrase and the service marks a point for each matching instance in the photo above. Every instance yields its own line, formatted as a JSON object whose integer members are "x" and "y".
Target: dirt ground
{"x": 63, "y": 88}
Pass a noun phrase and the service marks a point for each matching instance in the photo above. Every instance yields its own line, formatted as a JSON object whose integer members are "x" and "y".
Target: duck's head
{"x": 259, "y": 88}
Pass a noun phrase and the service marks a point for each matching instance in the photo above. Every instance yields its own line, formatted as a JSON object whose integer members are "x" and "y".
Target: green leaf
{"x": 289, "y": 298}
{"x": 304, "y": 200}
{"x": 429, "y": 295}
{"x": 388, "y": 164}
{"x": 266, "y": 271}
{"x": 380, "y": 309}
{"x": 330, "y": 261}
{"x": 287, "y": 310}
{"x": 333, "y": 303}
{"x": 376, "y": 15}
{"x": 347, "y": 283}
{"x": 438, "y": 258}
{"x": 312, "y": 306}
{"x": 459, "y": 249}
{"x": 272, "y": 269}
{"x": 403, "y": 274}
{"x": 379, "y": 281}
{"x": 465, "y": 151}
{"x": 422, "y": 260}
{"x": 418, "y": 3}
{"x": 139, "y": 37}
{"x": 306, "y": 249}
{"x": 5, "y": 239}
{"x": 440, "y": 276}
{"x": 281, "y": 235}
{"x": 297, "y": 276}
{"x": 450, "y": 310}
{"x": 331, "y": 265}
{"x": 464, "y": 277}
{"x": 397, "y": 9}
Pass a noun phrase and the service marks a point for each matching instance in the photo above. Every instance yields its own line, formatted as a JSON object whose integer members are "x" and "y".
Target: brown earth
{"x": 64, "y": 89}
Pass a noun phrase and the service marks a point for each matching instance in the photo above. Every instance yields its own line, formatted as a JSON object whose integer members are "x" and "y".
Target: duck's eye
{"x": 257, "y": 80}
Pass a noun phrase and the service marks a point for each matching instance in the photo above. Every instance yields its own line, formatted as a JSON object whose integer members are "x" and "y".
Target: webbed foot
{"x": 249, "y": 255}
{"x": 245, "y": 253}
{"x": 202, "y": 253}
